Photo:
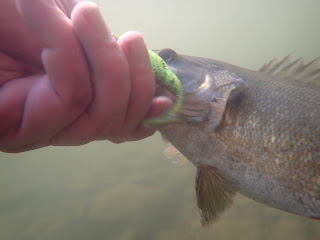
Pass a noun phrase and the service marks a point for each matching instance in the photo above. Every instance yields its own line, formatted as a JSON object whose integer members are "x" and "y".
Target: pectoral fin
{"x": 214, "y": 193}
{"x": 175, "y": 155}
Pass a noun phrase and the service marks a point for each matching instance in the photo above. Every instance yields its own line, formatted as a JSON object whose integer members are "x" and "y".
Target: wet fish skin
{"x": 265, "y": 139}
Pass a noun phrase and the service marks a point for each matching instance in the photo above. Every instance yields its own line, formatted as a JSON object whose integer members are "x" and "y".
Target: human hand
{"x": 65, "y": 80}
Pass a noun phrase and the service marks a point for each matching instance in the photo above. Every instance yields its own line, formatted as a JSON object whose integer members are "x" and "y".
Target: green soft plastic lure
{"x": 166, "y": 78}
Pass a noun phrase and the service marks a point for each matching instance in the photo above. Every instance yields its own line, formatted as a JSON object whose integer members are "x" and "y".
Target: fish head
{"x": 207, "y": 86}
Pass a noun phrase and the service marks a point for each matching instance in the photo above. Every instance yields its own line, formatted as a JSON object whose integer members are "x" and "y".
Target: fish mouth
{"x": 189, "y": 71}
{"x": 195, "y": 82}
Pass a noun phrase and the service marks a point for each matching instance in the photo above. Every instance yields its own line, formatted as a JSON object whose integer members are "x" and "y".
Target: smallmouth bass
{"x": 256, "y": 132}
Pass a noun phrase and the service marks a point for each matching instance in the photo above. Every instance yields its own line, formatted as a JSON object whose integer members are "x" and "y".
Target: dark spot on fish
{"x": 301, "y": 201}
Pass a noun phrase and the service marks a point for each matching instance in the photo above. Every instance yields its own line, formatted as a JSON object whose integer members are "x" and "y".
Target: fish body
{"x": 249, "y": 131}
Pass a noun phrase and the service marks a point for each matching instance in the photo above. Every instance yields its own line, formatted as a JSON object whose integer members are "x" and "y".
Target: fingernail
{"x": 138, "y": 52}
{"x": 96, "y": 21}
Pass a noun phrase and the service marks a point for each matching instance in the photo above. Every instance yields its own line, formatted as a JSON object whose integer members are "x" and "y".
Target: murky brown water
{"x": 131, "y": 191}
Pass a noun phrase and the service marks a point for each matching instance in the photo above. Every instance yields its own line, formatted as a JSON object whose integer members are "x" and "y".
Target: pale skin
{"x": 65, "y": 80}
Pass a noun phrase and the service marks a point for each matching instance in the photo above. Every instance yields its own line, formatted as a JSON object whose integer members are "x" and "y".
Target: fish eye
{"x": 167, "y": 54}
